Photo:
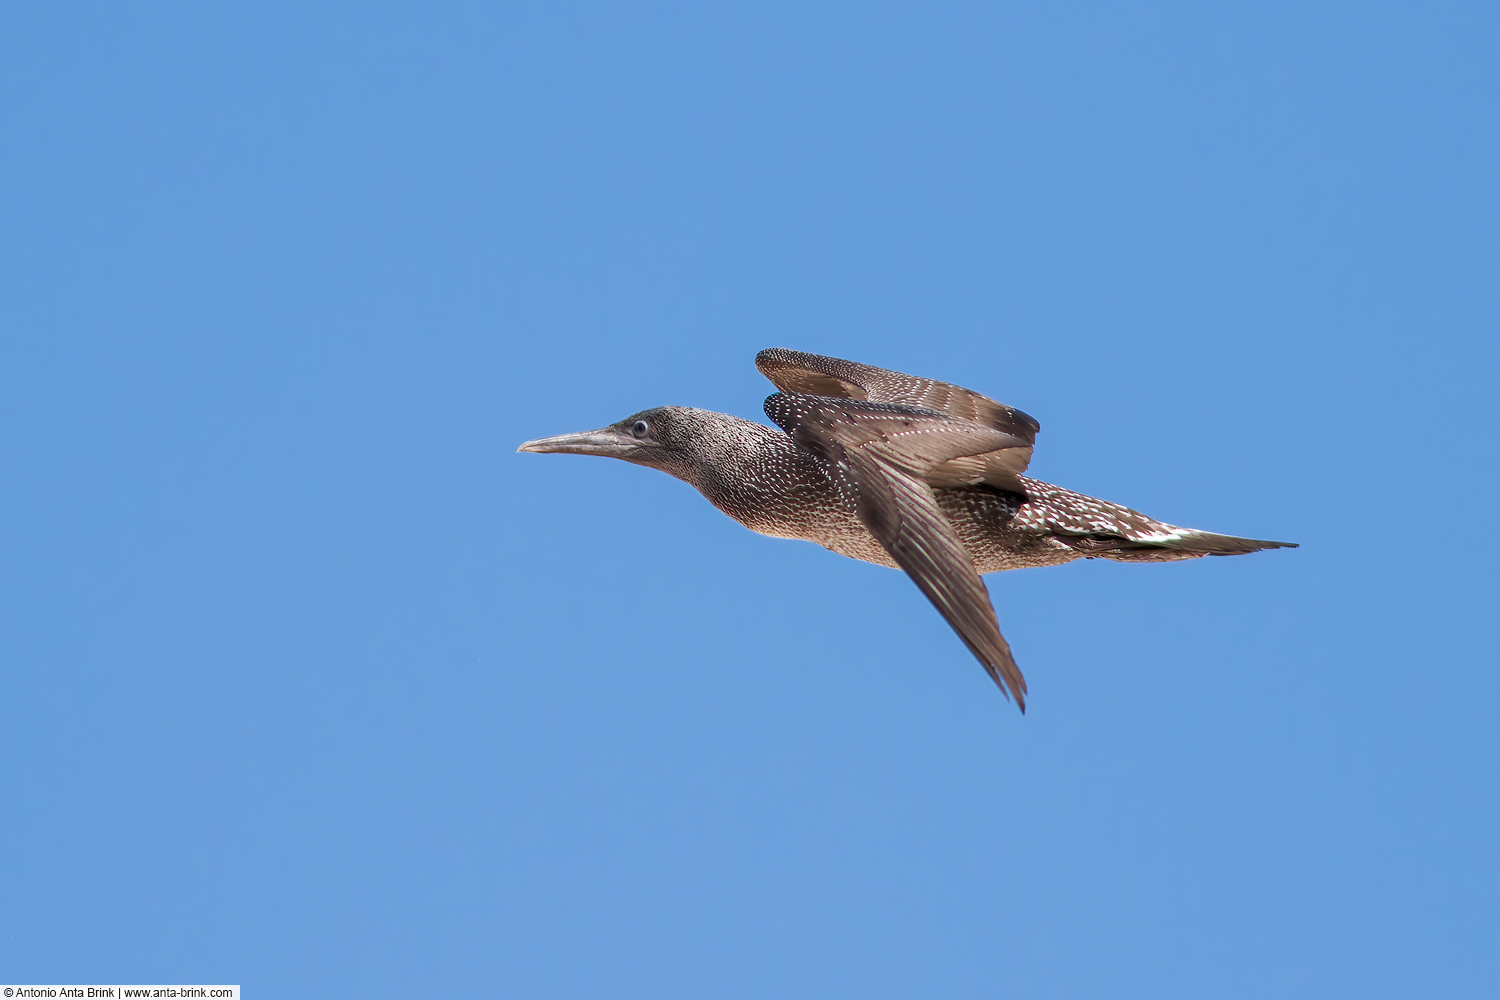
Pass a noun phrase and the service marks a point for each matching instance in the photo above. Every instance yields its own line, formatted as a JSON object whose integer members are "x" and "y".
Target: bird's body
{"x": 759, "y": 477}
{"x": 897, "y": 471}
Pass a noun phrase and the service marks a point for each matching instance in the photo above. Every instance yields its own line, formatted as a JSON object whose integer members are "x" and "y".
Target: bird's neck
{"x": 757, "y": 476}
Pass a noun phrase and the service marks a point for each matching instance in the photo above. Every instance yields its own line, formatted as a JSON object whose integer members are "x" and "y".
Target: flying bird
{"x": 898, "y": 471}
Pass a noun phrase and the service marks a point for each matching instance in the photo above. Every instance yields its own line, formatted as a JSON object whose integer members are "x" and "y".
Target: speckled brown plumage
{"x": 899, "y": 471}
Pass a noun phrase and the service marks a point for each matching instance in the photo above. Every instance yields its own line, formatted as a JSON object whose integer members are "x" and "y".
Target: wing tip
{"x": 1010, "y": 681}
{"x": 776, "y": 358}
{"x": 1017, "y": 694}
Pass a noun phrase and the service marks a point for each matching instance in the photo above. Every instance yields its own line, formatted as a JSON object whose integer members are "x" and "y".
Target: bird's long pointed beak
{"x": 604, "y": 441}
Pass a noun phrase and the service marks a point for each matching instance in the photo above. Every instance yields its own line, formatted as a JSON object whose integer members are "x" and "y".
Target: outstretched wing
{"x": 883, "y": 456}
{"x": 813, "y": 374}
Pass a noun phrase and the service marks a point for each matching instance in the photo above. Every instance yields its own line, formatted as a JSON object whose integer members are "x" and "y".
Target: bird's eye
{"x": 639, "y": 428}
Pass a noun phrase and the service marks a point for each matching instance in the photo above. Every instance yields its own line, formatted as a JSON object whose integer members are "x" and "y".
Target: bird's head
{"x": 668, "y": 438}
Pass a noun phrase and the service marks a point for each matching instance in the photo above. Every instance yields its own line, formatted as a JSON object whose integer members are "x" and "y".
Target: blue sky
{"x": 310, "y": 680}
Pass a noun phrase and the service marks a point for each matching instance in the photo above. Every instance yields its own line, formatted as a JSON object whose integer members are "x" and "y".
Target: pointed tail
{"x": 1184, "y": 543}
{"x": 1168, "y": 544}
{"x": 1211, "y": 544}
